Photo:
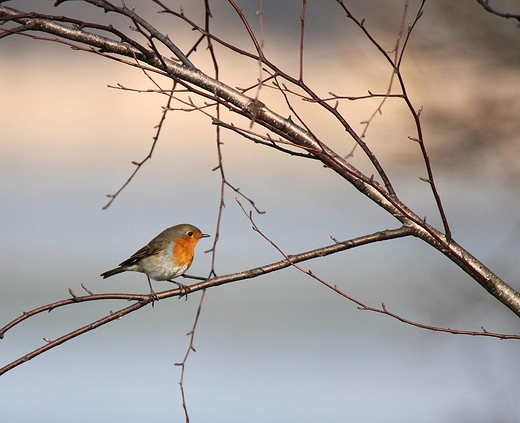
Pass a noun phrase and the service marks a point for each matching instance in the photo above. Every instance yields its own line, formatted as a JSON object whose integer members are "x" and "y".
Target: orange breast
{"x": 183, "y": 251}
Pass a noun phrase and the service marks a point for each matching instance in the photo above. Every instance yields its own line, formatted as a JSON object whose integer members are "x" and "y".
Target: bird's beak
{"x": 205, "y": 235}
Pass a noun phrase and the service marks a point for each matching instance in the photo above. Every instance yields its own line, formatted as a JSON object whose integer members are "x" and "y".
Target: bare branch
{"x": 302, "y": 36}
{"x": 150, "y": 152}
{"x": 488, "y": 8}
{"x": 361, "y": 305}
{"x": 143, "y": 300}
{"x": 295, "y": 136}
{"x": 153, "y": 33}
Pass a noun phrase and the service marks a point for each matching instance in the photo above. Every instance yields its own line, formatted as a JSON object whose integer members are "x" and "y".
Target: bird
{"x": 165, "y": 257}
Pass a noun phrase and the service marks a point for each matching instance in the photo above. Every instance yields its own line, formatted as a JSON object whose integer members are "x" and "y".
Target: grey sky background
{"x": 282, "y": 347}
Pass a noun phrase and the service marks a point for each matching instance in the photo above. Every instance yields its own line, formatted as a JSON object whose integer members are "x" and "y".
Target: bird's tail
{"x": 112, "y": 272}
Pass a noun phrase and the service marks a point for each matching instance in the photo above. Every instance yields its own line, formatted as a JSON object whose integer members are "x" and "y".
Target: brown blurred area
{"x": 461, "y": 65}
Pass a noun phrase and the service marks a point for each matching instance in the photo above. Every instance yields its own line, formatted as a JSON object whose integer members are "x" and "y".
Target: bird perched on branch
{"x": 165, "y": 257}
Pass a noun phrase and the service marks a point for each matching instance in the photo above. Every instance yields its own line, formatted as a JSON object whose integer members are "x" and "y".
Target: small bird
{"x": 165, "y": 257}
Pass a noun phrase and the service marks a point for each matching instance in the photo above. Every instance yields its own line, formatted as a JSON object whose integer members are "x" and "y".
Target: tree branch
{"x": 288, "y": 261}
{"x": 200, "y": 83}
{"x": 488, "y": 8}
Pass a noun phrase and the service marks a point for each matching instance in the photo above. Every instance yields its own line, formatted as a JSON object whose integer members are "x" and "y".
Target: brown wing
{"x": 154, "y": 247}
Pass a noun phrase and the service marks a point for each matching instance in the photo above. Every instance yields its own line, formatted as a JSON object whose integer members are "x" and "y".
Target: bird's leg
{"x": 153, "y": 295}
{"x": 182, "y": 287}
{"x": 199, "y": 278}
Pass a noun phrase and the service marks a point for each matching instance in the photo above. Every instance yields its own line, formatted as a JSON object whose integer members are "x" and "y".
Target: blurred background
{"x": 282, "y": 347}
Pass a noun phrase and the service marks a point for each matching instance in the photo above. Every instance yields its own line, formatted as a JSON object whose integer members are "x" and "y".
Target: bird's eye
{"x": 190, "y": 233}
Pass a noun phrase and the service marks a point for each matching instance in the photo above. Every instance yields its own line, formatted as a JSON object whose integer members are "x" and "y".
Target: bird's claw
{"x": 184, "y": 290}
{"x": 153, "y": 297}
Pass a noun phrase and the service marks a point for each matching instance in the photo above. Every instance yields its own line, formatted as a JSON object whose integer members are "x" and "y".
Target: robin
{"x": 165, "y": 257}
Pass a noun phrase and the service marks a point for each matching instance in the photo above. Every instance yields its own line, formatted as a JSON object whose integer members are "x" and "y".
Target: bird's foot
{"x": 183, "y": 288}
{"x": 153, "y": 297}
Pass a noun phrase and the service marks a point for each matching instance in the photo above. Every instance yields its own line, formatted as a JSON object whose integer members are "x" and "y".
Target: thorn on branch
{"x": 483, "y": 329}
{"x": 47, "y": 340}
{"x": 425, "y": 180}
{"x": 419, "y": 111}
{"x": 86, "y": 289}
{"x": 383, "y": 306}
{"x": 334, "y": 239}
{"x": 414, "y": 139}
{"x": 424, "y": 219}
{"x": 71, "y": 292}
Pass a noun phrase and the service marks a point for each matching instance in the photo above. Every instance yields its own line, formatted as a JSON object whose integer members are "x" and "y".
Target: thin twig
{"x": 260, "y": 14}
{"x": 302, "y": 36}
{"x": 361, "y": 305}
{"x": 488, "y": 8}
{"x": 142, "y": 300}
{"x": 152, "y": 31}
{"x": 201, "y": 84}
{"x": 138, "y": 165}
{"x": 379, "y": 108}
{"x": 182, "y": 364}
